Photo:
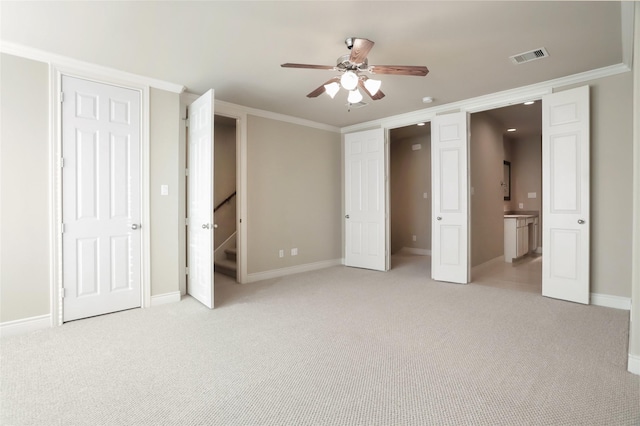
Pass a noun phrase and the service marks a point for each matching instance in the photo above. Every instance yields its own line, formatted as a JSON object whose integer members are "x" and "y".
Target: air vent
{"x": 357, "y": 105}
{"x": 529, "y": 56}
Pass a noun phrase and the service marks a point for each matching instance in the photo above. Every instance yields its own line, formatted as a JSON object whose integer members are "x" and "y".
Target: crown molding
{"x": 60, "y": 61}
{"x": 490, "y": 101}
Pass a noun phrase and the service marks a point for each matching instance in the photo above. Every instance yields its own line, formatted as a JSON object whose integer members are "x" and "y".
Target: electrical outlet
{"x": 281, "y": 253}
{"x": 425, "y": 195}
{"x": 414, "y": 237}
{"x": 521, "y": 205}
{"x": 294, "y": 252}
{"x": 164, "y": 189}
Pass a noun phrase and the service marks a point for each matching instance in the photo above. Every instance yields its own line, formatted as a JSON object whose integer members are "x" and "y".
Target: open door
{"x": 200, "y": 199}
{"x": 565, "y": 191}
{"x": 450, "y": 201}
{"x": 365, "y": 200}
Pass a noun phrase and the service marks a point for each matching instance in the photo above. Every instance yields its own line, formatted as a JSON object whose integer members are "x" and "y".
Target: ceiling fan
{"x": 351, "y": 65}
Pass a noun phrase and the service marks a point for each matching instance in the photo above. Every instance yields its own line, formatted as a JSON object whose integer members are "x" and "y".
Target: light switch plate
{"x": 532, "y": 195}
{"x": 164, "y": 189}
{"x": 521, "y": 205}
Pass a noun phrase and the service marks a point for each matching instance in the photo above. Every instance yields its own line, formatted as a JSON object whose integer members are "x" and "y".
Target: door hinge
{"x": 186, "y": 221}
{"x": 186, "y": 122}
{"x": 61, "y": 97}
{"x": 63, "y": 293}
{"x": 62, "y": 228}
{"x": 186, "y": 271}
{"x": 186, "y": 172}
{"x": 62, "y": 162}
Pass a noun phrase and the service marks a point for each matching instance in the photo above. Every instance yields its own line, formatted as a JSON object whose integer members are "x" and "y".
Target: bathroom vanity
{"x": 520, "y": 235}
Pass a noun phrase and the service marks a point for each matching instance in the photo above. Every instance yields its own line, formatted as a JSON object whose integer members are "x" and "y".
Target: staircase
{"x": 228, "y": 265}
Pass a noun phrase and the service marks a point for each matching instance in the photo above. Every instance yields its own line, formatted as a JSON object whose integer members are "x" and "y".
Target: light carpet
{"x": 338, "y": 346}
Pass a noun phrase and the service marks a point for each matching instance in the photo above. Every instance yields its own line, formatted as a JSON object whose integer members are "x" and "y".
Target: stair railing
{"x": 226, "y": 200}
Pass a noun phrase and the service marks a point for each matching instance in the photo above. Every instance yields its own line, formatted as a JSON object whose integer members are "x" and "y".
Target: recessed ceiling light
{"x": 427, "y": 99}
{"x": 530, "y": 102}
{"x": 511, "y": 130}
{"x": 421, "y": 124}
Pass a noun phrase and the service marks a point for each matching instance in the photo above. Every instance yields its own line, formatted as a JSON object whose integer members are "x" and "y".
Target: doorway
{"x": 225, "y": 196}
{"x": 511, "y": 134}
{"x": 410, "y": 190}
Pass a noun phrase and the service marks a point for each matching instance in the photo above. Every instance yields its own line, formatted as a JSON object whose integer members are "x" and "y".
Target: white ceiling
{"x": 237, "y": 47}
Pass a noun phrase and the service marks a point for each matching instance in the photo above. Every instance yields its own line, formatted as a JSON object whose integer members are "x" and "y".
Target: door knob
{"x": 347, "y": 216}
{"x": 581, "y": 221}
{"x": 135, "y": 226}
{"x": 215, "y": 226}
{"x": 438, "y": 218}
{"x": 205, "y": 226}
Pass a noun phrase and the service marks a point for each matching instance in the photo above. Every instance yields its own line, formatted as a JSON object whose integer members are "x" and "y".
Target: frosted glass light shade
{"x": 372, "y": 85}
{"x": 354, "y": 96}
{"x": 349, "y": 80}
{"x": 332, "y": 89}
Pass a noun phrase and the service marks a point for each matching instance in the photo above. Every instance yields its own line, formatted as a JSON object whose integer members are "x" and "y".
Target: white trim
{"x": 145, "y": 195}
{"x": 163, "y": 299}
{"x": 235, "y": 109}
{"x": 416, "y": 251}
{"x": 275, "y": 273}
{"x": 490, "y": 101}
{"x": 627, "y": 10}
{"x": 56, "y": 72}
{"x": 609, "y": 301}
{"x": 25, "y": 325}
{"x": 279, "y": 117}
{"x": 634, "y": 364}
{"x": 86, "y": 67}
{"x": 238, "y": 112}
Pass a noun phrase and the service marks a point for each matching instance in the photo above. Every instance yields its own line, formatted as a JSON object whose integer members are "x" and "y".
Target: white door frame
{"x": 55, "y": 190}
{"x": 231, "y": 111}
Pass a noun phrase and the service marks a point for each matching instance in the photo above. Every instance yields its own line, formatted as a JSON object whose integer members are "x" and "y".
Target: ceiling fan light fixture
{"x": 349, "y": 80}
{"x": 354, "y": 96}
{"x": 372, "y": 85}
{"x": 332, "y": 89}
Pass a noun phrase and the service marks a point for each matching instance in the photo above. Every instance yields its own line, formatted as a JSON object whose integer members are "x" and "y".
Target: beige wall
{"x": 24, "y": 220}
{"x": 410, "y": 178}
{"x": 224, "y": 178}
{"x": 24, "y": 188}
{"x": 294, "y": 194}
{"x": 611, "y": 183}
{"x": 164, "y": 169}
{"x": 486, "y": 154}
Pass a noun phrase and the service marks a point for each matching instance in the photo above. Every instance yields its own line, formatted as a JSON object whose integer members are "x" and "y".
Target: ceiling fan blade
{"x": 378, "y": 95}
{"x": 320, "y": 90}
{"x": 360, "y": 50}
{"x": 307, "y": 66}
{"x": 419, "y": 71}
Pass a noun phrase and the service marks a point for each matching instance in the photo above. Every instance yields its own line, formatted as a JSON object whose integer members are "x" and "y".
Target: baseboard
{"x": 608, "y": 301}
{"x": 162, "y": 299}
{"x": 25, "y": 325}
{"x": 634, "y": 364}
{"x": 417, "y": 251}
{"x": 275, "y": 273}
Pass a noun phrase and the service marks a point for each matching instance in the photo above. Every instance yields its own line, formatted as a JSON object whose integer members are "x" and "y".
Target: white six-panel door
{"x": 365, "y": 200}
{"x": 200, "y": 200}
{"x": 450, "y": 201}
{"x": 101, "y": 198}
{"x": 565, "y": 195}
